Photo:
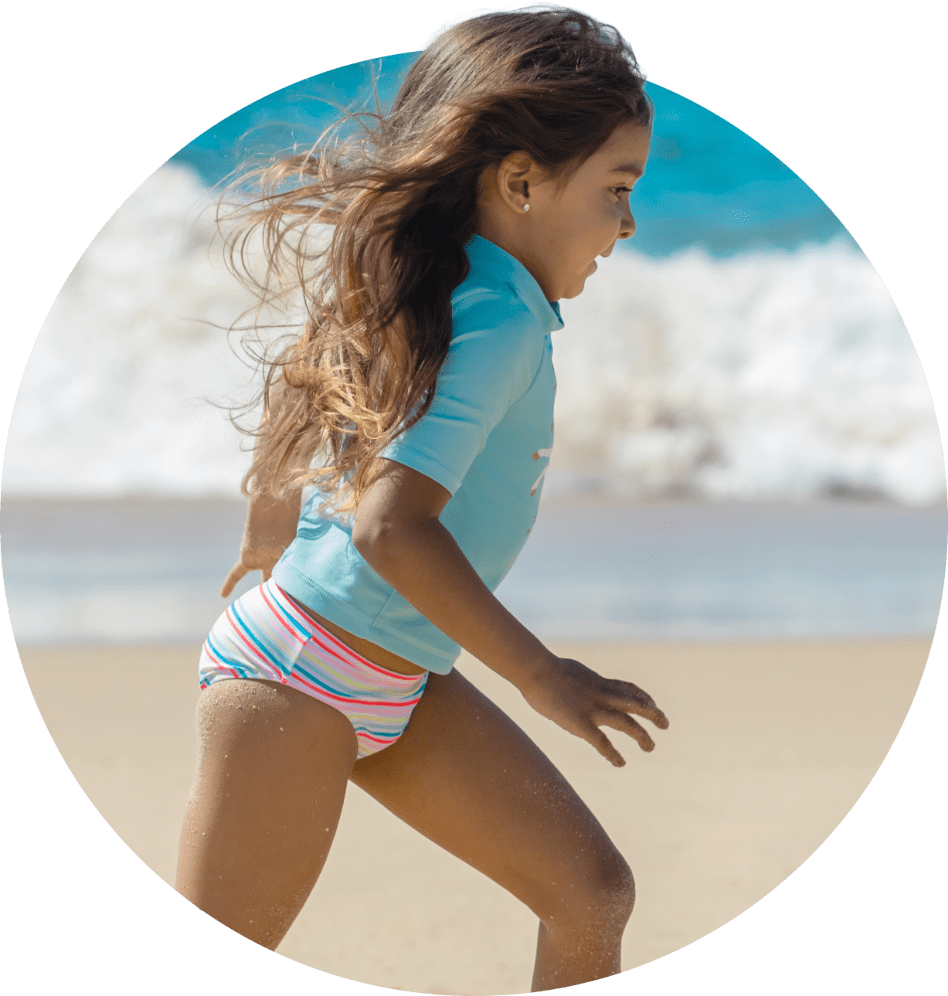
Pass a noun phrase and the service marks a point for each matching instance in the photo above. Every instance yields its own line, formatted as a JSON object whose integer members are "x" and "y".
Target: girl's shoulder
{"x": 495, "y": 321}
{"x": 499, "y": 291}
{"x": 495, "y": 338}
{"x": 481, "y": 299}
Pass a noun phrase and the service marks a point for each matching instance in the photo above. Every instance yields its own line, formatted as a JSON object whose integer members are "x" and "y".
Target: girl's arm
{"x": 398, "y": 532}
{"x": 269, "y": 529}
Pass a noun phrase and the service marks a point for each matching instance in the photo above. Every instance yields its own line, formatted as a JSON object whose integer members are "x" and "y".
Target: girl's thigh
{"x": 273, "y": 766}
{"x": 466, "y": 776}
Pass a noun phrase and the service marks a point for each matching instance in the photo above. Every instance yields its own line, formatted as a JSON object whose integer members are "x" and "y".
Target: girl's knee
{"x": 613, "y": 887}
{"x": 598, "y": 895}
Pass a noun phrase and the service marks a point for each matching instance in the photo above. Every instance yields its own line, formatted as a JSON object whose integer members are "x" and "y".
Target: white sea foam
{"x": 772, "y": 376}
{"x": 111, "y": 401}
{"x": 780, "y": 375}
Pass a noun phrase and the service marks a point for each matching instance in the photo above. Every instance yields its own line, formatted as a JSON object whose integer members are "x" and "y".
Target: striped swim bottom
{"x": 265, "y": 636}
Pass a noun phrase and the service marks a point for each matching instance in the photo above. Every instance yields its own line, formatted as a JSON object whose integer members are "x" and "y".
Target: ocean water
{"x": 745, "y": 441}
{"x": 708, "y": 184}
{"x": 779, "y": 375}
{"x": 150, "y": 571}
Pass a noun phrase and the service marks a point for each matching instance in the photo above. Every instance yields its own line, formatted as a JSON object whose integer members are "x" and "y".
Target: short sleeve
{"x": 496, "y": 349}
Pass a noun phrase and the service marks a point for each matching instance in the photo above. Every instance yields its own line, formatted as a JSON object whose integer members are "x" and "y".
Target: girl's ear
{"x": 515, "y": 176}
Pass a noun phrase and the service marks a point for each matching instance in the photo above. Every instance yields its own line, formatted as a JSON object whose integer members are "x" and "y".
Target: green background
{"x": 99, "y": 94}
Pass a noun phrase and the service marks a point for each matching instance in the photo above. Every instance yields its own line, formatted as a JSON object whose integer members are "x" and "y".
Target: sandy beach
{"x": 770, "y": 745}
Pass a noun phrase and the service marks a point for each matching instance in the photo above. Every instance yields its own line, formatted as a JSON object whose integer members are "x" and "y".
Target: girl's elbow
{"x": 363, "y": 536}
{"x": 385, "y": 544}
{"x": 372, "y": 538}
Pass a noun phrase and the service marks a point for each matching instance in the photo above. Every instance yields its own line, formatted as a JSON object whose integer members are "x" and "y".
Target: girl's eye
{"x": 622, "y": 190}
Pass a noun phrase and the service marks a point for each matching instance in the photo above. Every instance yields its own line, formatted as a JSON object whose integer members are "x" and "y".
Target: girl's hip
{"x": 265, "y": 636}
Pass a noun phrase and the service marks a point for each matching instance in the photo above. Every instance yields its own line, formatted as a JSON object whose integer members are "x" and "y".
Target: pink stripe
{"x": 343, "y": 698}
{"x": 221, "y": 665}
{"x": 322, "y": 631}
{"x": 253, "y": 650}
{"x": 315, "y": 628}
{"x": 281, "y": 613}
{"x": 219, "y": 661}
{"x": 284, "y": 633}
{"x": 210, "y": 653}
{"x": 379, "y": 740}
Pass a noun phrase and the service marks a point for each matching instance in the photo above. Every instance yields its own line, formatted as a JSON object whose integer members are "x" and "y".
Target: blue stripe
{"x": 284, "y": 611}
{"x": 240, "y": 666}
{"x": 250, "y": 627}
{"x": 345, "y": 693}
{"x": 357, "y": 695}
{"x": 251, "y": 636}
{"x": 378, "y": 734}
{"x": 362, "y": 688}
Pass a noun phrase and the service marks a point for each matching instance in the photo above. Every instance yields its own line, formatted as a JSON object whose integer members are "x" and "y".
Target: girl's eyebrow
{"x": 636, "y": 170}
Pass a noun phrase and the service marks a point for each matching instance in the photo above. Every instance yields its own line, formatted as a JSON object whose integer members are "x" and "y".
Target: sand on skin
{"x": 770, "y": 745}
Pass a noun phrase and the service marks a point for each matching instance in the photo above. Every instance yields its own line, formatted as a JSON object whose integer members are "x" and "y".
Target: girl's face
{"x": 568, "y": 225}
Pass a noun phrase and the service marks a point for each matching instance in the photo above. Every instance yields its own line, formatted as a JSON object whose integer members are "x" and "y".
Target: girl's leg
{"x": 272, "y": 772}
{"x": 467, "y": 777}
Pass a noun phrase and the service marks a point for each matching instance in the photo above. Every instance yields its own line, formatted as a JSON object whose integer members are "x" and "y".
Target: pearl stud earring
{"x": 526, "y": 207}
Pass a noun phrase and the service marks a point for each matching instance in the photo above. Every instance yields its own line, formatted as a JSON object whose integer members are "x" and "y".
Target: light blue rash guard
{"x": 487, "y": 439}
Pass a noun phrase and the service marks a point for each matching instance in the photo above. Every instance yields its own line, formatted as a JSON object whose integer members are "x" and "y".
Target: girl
{"x": 416, "y": 404}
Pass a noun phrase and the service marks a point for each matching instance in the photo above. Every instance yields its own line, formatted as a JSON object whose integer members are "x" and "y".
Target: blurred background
{"x": 745, "y": 442}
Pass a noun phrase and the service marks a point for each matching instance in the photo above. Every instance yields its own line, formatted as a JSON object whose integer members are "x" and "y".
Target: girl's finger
{"x": 236, "y": 573}
{"x": 626, "y": 724}
{"x": 603, "y": 744}
{"x": 628, "y": 697}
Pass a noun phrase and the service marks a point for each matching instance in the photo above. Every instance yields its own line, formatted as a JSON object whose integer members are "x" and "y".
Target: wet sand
{"x": 770, "y": 745}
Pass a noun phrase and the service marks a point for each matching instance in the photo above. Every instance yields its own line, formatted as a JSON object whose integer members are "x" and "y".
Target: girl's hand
{"x": 578, "y": 699}
{"x": 399, "y": 533}
{"x": 252, "y": 558}
{"x": 270, "y": 529}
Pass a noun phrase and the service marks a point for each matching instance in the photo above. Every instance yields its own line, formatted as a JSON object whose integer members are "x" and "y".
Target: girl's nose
{"x": 628, "y": 226}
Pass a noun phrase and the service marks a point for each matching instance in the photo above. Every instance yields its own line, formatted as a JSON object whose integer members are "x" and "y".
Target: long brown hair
{"x": 371, "y": 231}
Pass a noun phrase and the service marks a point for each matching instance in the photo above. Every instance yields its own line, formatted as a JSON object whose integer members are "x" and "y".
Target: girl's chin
{"x": 575, "y": 288}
